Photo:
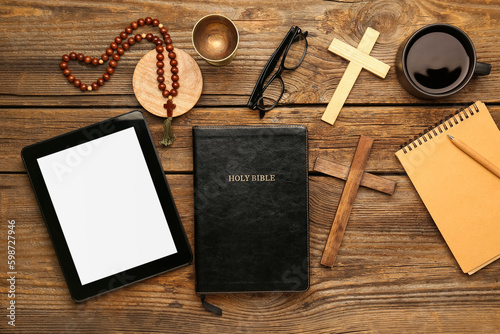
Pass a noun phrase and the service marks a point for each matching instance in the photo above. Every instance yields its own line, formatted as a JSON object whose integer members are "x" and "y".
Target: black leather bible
{"x": 251, "y": 209}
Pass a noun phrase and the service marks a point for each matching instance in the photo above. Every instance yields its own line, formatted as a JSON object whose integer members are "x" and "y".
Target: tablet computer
{"x": 107, "y": 205}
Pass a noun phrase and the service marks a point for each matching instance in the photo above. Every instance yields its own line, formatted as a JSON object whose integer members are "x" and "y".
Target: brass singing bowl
{"x": 216, "y": 39}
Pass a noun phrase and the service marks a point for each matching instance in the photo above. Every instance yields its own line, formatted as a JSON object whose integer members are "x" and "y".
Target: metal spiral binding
{"x": 434, "y": 130}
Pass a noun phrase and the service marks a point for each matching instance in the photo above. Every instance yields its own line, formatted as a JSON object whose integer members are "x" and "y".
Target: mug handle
{"x": 482, "y": 68}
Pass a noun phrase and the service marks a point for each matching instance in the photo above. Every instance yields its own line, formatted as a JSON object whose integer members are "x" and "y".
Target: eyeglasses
{"x": 267, "y": 93}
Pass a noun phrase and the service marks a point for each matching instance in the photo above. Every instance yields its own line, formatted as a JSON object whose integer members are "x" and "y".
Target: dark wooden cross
{"x": 355, "y": 176}
{"x": 170, "y": 106}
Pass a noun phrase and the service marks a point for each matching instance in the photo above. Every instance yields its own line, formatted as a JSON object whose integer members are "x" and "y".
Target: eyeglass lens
{"x": 274, "y": 87}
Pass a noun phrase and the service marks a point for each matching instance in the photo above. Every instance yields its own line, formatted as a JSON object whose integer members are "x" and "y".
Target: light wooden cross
{"x": 355, "y": 177}
{"x": 359, "y": 58}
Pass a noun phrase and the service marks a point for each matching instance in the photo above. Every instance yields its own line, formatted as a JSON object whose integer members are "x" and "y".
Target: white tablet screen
{"x": 107, "y": 205}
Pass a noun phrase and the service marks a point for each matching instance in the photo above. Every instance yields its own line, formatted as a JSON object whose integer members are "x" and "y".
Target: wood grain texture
{"x": 50, "y": 29}
{"x": 347, "y": 201}
{"x": 368, "y": 180}
{"x": 389, "y": 126}
{"x": 394, "y": 272}
{"x": 146, "y": 85}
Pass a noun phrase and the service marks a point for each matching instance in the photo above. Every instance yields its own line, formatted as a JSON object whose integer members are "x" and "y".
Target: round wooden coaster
{"x": 146, "y": 85}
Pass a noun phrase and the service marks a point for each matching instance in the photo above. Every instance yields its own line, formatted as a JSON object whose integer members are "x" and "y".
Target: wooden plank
{"x": 393, "y": 265}
{"x": 57, "y": 32}
{"x": 347, "y": 201}
{"x": 390, "y": 125}
{"x": 367, "y": 180}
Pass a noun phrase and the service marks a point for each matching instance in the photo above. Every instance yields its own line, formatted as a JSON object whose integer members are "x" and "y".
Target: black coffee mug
{"x": 436, "y": 61}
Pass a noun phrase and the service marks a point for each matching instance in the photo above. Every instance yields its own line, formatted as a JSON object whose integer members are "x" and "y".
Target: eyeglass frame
{"x": 258, "y": 91}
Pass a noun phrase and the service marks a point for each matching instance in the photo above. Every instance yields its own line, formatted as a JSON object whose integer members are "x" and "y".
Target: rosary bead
{"x": 122, "y": 43}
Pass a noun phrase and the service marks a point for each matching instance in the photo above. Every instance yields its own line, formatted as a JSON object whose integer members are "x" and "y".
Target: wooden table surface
{"x": 394, "y": 272}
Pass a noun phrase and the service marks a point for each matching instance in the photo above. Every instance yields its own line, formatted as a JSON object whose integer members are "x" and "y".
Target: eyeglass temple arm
{"x": 270, "y": 65}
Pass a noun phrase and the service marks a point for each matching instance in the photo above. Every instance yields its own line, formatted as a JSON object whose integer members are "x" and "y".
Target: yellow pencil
{"x": 476, "y": 156}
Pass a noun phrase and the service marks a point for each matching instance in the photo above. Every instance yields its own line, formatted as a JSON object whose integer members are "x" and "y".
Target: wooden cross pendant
{"x": 356, "y": 176}
{"x": 170, "y": 106}
{"x": 359, "y": 58}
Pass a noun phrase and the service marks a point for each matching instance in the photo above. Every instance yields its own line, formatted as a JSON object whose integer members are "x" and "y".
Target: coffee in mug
{"x": 436, "y": 61}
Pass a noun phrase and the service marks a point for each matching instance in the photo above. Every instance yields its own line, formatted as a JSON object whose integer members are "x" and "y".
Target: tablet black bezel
{"x": 135, "y": 119}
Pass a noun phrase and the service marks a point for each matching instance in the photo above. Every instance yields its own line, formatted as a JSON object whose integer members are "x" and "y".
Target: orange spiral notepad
{"x": 462, "y": 196}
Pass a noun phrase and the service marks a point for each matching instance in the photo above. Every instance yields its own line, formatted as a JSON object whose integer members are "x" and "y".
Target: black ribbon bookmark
{"x": 210, "y": 307}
